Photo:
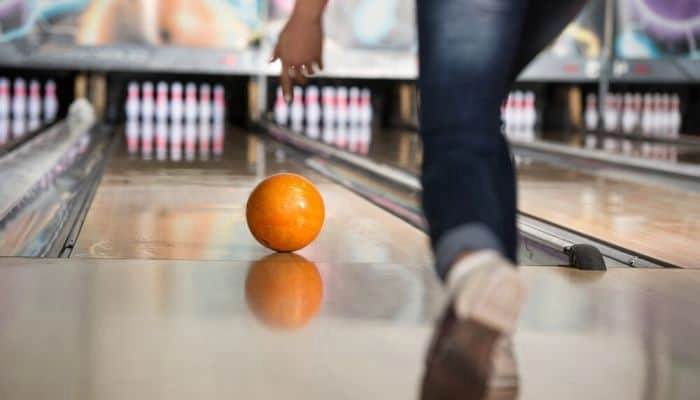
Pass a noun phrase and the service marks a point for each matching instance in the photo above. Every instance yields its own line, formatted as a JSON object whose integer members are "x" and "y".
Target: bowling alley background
{"x": 644, "y": 28}
{"x": 655, "y": 29}
{"x": 371, "y": 48}
{"x": 230, "y": 24}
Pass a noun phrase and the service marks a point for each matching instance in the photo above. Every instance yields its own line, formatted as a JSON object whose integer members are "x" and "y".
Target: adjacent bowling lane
{"x": 145, "y": 208}
{"x": 658, "y": 220}
{"x": 177, "y": 329}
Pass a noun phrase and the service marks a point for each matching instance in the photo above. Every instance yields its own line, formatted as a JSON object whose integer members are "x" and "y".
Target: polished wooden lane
{"x": 124, "y": 329}
{"x": 148, "y": 209}
{"x": 656, "y": 220}
{"x": 400, "y": 148}
{"x": 118, "y": 329}
{"x": 652, "y": 219}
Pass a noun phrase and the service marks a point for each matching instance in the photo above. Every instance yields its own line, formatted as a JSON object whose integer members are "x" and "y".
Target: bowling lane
{"x": 659, "y": 221}
{"x": 400, "y": 148}
{"x": 630, "y": 211}
{"x": 683, "y": 152}
{"x": 150, "y": 209}
{"x": 127, "y": 329}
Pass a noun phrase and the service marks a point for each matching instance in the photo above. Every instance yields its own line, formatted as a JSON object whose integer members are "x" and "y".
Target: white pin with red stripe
{"x": 4, "y": 98}
{"x": 162, "y": 103}
{"x": 19, "y": 99}
{"x": 50, "y": 101}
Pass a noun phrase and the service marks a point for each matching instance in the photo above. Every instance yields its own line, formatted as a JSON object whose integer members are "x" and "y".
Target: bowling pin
{"x": 365, "y": 138}
{"x": 313, "y": 108}
{"x": 50, "y": 101}
{"x": 34, "y": 105}
{"x": 627, "y": 114}
{"x": 518, "y": 109}
{"x": 665, "y": 115}
{"x": 219, "y": 106}
{"x": 297, "y": 109}
{"x": 647, "y": 126}
{"x": 204, "y": 102}
{"x": 648, "y": 150}
{"x": 617, "y": 112}
{"x": 609, "y": 118}
{"x": 175, "y": 141}
{"x": 366, "y": 107}
{"x": 19, "y": 99}
{"x": 313, "y": 131}
{"x": 132, "y": 136}
{"x": 218, "y": 135}
{"x": 297, "y": 126}
{"x": 147, "y": 132}
{"x": 147, "y": 102}
{"x": 636, "y": 112}
{"x": 162, "y": 103}
{"x": 591, "y": 142}
{"x": 191, "y": 103}
{"x": 676, "y": 117}
{"x": 673, "y": 153}
{"x": 161, "y": 155}
{"x": 132, "y": 101}
{"x": 19, "y": 127}
{"x": 341, "y": 136}
{"x": 508, "y": 115}
{"x": 657, "y": 114}
{"x": 341, "y": 105}
{"x": 328, "y": 135}
{"x": 34, "y": 124}
{"x": 4, "y": 98}
{"x": 354, "y": 106}
{"x": 627, "y": 147}
{"x": 281, "y": 109}
{"x": 190, "y": 140}
{"x": 659, "y": 119}
{"x": 354, "y": 138}
{"x": 329, "y": 109}
{"x": 161, "y": 140}
{"x": 176, "y": 103}
{"x": 609, "y": 145}
{"x": 530, "y": 113}
{"x": 205, "y": 136}
{"x": 591, "y": 113}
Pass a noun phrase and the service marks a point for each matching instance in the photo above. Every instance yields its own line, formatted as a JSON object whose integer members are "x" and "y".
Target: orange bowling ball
{"x": 285, "y": 212}
{"x": 284, "y": 290}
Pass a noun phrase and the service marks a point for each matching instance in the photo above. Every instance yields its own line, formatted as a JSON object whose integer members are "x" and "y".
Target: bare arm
{"x": 300, "y": 44}
{"x": 309, "y": 9}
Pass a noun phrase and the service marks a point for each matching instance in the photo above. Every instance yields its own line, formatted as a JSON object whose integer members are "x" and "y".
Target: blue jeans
{"x": 470, "y": 52}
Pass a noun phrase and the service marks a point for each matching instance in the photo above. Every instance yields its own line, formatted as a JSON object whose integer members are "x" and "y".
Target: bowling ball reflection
{"x": 284, "y": 290}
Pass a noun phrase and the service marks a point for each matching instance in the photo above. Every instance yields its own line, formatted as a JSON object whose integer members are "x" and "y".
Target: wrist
{"x": 309, "y": 10}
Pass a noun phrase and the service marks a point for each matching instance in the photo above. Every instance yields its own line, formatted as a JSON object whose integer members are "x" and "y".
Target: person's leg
{"x": 466, "y": 51}
{"x": 470, "y": 52}
{"x": 544, "y": 21}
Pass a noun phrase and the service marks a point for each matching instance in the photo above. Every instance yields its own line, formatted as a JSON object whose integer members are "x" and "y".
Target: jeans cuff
{"x": 468, "y": 237}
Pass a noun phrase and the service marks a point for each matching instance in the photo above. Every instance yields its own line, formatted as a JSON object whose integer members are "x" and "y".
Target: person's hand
{"x": 299, "y": 48}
